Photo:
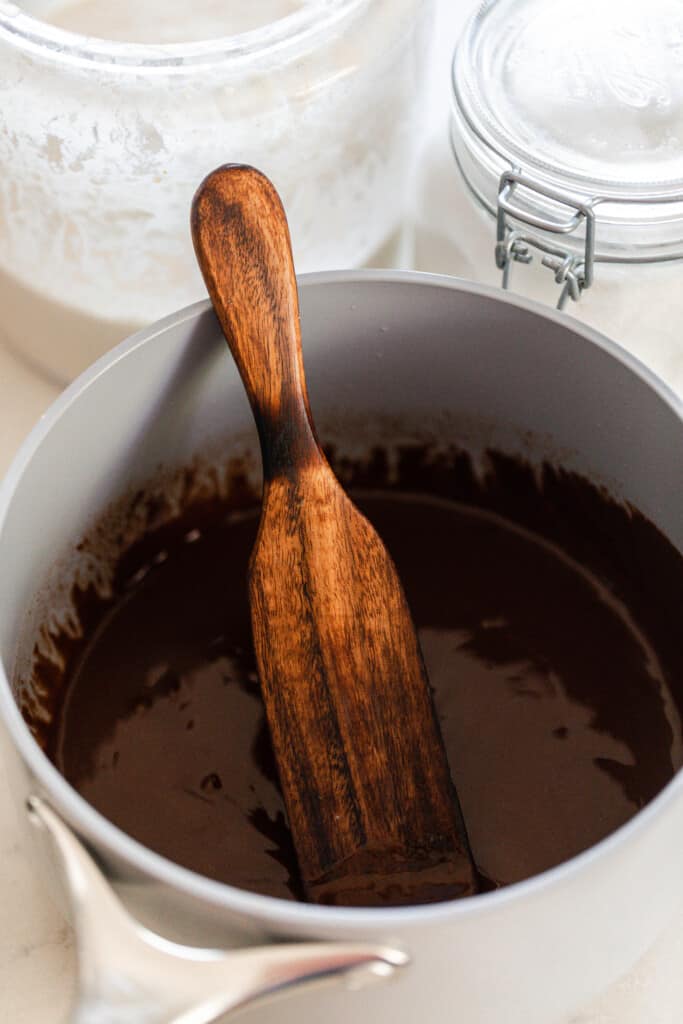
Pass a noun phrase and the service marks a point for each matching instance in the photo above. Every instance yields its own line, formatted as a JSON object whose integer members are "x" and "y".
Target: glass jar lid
{"x": 567, "y": 124}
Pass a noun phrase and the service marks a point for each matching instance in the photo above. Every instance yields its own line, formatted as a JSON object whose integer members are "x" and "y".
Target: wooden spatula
{"x": 371, "y": 804}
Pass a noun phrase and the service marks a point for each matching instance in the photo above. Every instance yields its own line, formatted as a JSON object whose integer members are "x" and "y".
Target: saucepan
{"x": 388, "y": 355}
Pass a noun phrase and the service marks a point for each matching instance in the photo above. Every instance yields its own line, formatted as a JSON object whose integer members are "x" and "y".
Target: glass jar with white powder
{"x": 111, "y": 114}
{"x": 567, "y": 131}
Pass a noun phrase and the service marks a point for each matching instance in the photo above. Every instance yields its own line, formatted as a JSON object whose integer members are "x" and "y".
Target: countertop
{"x": 36, "y": 951}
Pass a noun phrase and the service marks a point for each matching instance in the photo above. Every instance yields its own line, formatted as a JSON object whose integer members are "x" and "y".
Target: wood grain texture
{"x": 372, "y": 808}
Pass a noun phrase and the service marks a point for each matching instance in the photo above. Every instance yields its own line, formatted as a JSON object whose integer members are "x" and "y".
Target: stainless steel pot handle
{"x": 130, "y": 974}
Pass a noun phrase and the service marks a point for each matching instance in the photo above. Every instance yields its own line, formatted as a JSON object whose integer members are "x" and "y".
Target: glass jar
{"x": 103, "y": 143}
{"x": 567, "y": 130}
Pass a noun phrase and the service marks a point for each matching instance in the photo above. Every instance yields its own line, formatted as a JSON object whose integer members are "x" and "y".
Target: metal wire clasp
{"x": 574, "y": 273}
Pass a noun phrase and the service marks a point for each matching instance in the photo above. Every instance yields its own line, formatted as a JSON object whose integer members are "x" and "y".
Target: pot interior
{"x": 427, "y": 387}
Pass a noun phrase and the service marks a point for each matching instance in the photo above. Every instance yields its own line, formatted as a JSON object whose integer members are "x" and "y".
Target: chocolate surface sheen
{"x": 554, "y": 662}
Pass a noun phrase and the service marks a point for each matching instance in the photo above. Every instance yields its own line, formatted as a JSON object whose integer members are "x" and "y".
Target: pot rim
{"x": 285, "y": 914}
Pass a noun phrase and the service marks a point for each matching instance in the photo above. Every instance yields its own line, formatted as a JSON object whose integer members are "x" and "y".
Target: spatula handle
{"x": 243, "y": 248}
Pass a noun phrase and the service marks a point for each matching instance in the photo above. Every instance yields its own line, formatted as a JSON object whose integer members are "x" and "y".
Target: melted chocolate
{"x": 554, "y": 662}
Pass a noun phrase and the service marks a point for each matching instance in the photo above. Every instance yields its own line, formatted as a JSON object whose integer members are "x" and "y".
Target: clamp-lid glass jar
{"x": 567, "y": 128}
{"x": 103, "y": 142}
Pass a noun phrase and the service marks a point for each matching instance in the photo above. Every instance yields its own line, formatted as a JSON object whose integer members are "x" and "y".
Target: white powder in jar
{"x": 169, "y": 21}
{"x": 100, "y": 160}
